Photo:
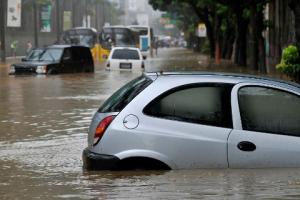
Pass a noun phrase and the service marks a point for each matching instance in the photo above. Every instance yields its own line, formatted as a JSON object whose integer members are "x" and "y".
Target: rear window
{"x": 82, "y": 54}
{"x": 125, "y": 95}
{"x": 126, "y": 54}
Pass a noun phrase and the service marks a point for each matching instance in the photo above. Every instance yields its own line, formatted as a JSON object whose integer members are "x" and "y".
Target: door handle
{"x": 246, "y": 146}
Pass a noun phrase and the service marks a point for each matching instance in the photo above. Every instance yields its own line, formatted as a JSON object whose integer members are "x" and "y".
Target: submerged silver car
{"x": 197, "y": 120}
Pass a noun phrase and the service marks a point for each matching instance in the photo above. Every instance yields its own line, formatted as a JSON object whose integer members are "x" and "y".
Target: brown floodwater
{"x": 43, "y": 130}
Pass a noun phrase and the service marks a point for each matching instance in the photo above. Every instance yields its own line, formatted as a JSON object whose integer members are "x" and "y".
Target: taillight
{"x": 101, "y": 128}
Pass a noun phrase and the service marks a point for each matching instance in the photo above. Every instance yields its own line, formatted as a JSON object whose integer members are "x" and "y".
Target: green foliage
{"x": 205, "y": 47}
{"x": 290, "y": 62}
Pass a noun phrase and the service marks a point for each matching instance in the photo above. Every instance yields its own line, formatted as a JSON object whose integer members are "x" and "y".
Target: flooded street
{"x": 44, "y": 122}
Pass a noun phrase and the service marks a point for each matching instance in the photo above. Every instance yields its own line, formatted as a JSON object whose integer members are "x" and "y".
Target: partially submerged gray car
{"x": 196, "y": 120}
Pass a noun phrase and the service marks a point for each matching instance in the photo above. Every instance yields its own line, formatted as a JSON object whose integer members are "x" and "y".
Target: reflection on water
{"x": 44, "y": 122}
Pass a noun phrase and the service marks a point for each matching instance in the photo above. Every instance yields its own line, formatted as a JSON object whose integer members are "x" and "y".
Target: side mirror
{"x": 144, "y": 57}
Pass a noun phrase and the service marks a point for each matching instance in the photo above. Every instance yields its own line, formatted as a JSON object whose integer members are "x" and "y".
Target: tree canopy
{"x": 227, "y": 22}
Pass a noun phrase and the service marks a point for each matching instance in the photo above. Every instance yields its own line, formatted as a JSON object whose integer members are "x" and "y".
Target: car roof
{"x": 126, "y": 48}
{"x": 63, "y": 46}
{"x": 227, "y": 77}
{"x": 115, "y": 26}
{"x": 138, "y": 26}
{"x": 83, "y": 28}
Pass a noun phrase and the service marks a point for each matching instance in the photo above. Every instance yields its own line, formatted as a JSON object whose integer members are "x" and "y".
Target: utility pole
{"x": 2, "y": 29}
{"x": 96, "y": 16}
{"x": 86, "y": 17}
{"x": 57, "y": 20}
{"x": 35, "y": 23}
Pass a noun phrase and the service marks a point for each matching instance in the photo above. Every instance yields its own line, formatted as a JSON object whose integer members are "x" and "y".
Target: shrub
{"x": 290, "y": 62}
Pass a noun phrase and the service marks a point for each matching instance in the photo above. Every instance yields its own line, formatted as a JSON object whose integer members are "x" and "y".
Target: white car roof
{"x": 130, "y": 48}
{"x": 226, "y": 77}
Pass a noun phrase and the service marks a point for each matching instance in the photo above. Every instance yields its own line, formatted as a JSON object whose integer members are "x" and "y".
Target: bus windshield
{"x": 117, "y": 36}
{"x": 85, "y": 37}
{"x": 140, "y": 30}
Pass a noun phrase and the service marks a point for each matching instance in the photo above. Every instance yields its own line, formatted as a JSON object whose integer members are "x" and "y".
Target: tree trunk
{"x": 261, "y": 42}
{"x": 210, "y": 34}
{"x": 295, "y": 7}
{"x": 241, "y": 40}
{"x": 253, "y": 46}
{"x": 227, "y": 46}
{"x": 217, "y": 22}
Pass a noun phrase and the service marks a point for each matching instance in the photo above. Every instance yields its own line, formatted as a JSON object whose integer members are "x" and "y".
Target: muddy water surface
{"x": 43, "y": 130}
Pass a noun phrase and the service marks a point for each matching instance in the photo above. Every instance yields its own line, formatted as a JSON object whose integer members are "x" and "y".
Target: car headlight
{"x": 12, "y": 69}
{"x": 41, "y": 69}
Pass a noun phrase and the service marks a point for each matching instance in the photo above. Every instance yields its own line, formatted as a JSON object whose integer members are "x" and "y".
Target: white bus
{"x": 145, "y": 34}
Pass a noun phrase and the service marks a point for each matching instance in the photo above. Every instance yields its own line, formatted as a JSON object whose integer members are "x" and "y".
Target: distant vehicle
{"x": 82, "y": 36}
{"x": 145, "y": 37}
{"x": 56, "y": 59}
{"x": 125, "y": 58}
{"x": 197, "y": 120}
{"x": 115, "y": 36}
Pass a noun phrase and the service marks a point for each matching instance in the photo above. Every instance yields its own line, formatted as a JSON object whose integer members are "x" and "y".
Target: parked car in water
{"x": 125, "y": 58}
{"x": 55, "y": 59}
{"x": 197, "y": 120}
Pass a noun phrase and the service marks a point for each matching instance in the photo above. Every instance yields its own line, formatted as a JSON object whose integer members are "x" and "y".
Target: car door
{"x": 77, "y": 61}
{"x": 67, "y": 61}
{"x": 189, "y": 125}
{"x": 266, "y": 127}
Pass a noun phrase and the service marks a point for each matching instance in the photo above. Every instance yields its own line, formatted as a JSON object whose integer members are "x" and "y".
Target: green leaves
{"x": 290, "y": 63}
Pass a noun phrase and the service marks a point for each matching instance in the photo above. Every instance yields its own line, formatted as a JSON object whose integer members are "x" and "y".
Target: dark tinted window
{"x": 124, "y": 95}
{"x": 82, "y": 54}
{"x": 269, "y": 110}
{"x": 77, "y": 54}
{"x": 203, "y": 104}
{"x": 67, "y": 54}
{"x": 126, "y": 54}
{"x": 87, "y": 56}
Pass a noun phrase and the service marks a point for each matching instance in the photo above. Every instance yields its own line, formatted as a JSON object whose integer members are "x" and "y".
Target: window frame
{"x": 237, "y": 121}
{"x": 127, "y": 51}
{"x": 116, "y": 102}
{"x": 189, "y": 86}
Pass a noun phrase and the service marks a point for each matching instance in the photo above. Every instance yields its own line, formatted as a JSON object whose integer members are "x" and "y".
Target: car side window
{"x": 269, "y": 110}
{"x": 203, "y": 104}
{"x": 67, "y": 55}
{"x": 76, "y": 55}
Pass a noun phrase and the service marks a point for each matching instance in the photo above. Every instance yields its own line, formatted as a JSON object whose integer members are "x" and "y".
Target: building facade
{"x": 42, "y": 22}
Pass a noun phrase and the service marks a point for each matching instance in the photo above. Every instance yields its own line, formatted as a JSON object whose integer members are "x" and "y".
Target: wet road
{"x": 43, "y": 126}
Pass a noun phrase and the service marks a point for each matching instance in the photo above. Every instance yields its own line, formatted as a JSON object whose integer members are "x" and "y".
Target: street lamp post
{"x": 57, "y": 20}
{"x": 35, "y": 24}
{"x": 86, "y": 17}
